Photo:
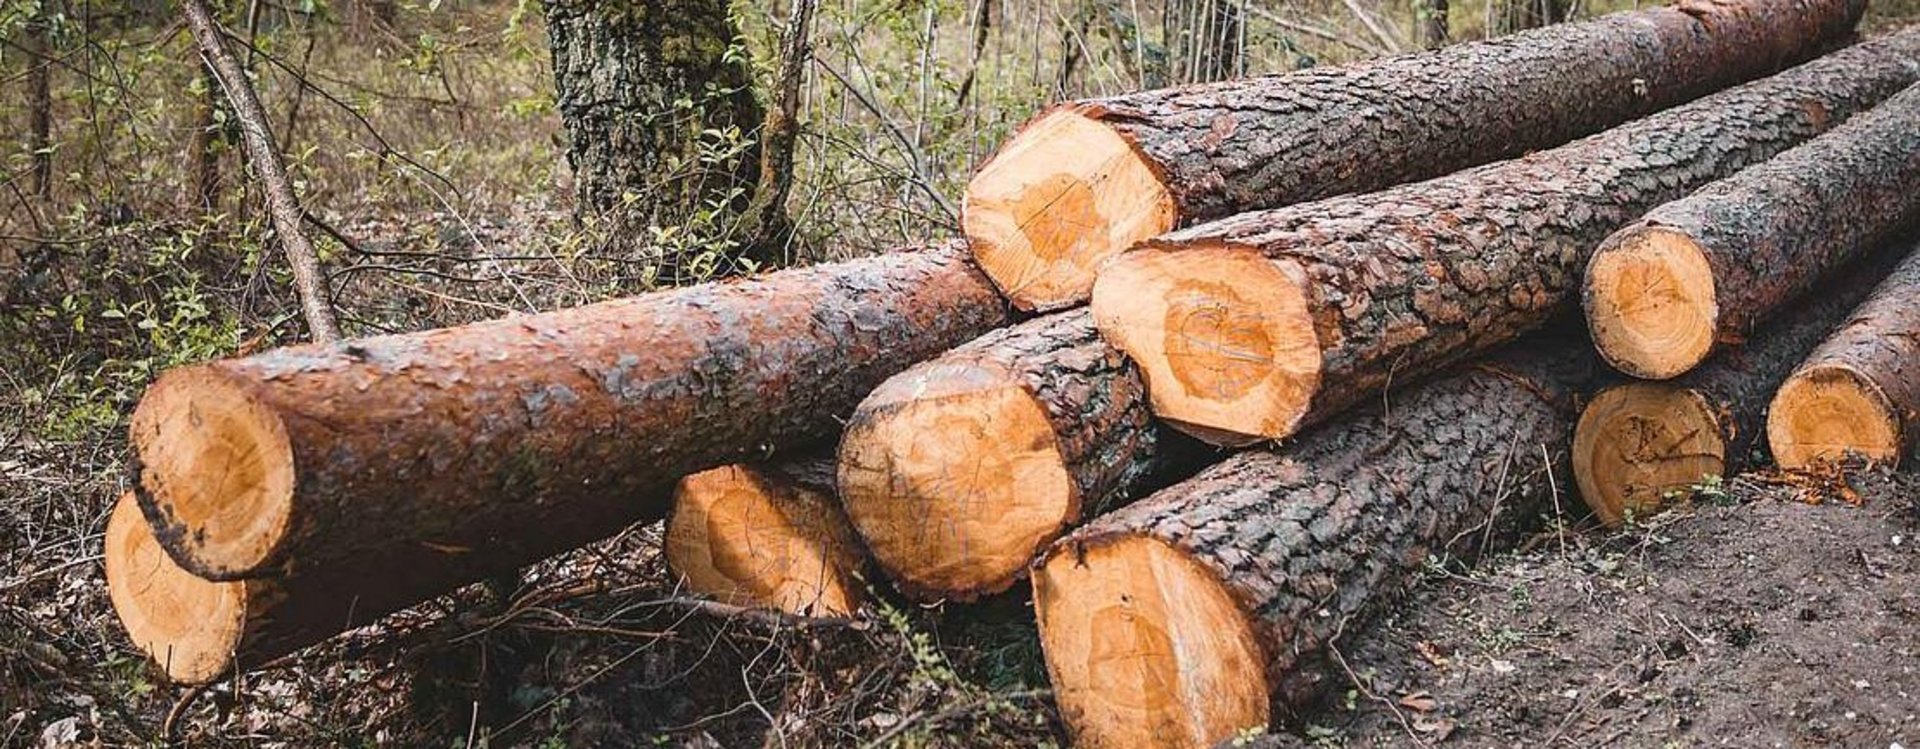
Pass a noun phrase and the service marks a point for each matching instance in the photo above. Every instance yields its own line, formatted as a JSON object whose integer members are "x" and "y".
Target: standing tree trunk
{"x": 1433, "y": 23}
{"x": 639, "y": 83}
{"x": 264, "y": 154}
{"x": 1521, "y": 15}
{"x": 40, "y": 105}
{"x": 203, "y": 157}
{"x": 1203, "y": 39}
{"x": 769, "y": 228}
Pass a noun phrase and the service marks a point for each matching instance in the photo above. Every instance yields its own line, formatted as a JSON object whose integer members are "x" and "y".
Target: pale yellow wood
{"x": 1059, "y": 199}
{"x": 1638, "y": 445}
{"x": 955, "y": 479}
{"x": 1147, "y": 649}
{"x": 232, "y": 481}
{"x": 1650, "y": 303}
{"x": 1223, "y": 336}
{"x": 1823, "y": 413}
{"x": 741, "y": 536}
{"x": 189, "y": 626}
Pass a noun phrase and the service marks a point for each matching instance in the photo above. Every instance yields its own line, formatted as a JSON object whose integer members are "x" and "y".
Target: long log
{"x": 198, "y": 630}
{"x": 1643, "y": 444}
{"x": 768, "y": 535}
{"x": 501, "y": 443}
{"x": 1172, "y": 622}
{"x": 1859, "y": 392}
{"x": 1086, "y": 180}
{"x": 1254, "y": 326}
{"x": 958, "y": 470}
{"x": 1663, "y": 293}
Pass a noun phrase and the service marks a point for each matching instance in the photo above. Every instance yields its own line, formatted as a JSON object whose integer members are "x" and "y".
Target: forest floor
{"x": 1756, "y": 620}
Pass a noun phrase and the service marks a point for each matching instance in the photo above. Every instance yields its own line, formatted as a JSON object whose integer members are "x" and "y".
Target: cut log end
{"x": 954, "y": 476}
{"x": 1146, "y": 648}
{"x": 740, "y": 537}
{"x": 1639, "y": 444}
{"x": 1223, "y": 336}
{"x": 1824, "y": 413}
{"x": 1650, "y": 303}
{"x": 189, "y": 626}
{"x": 1064, "y": 195}
{"x": 217, "y": 469}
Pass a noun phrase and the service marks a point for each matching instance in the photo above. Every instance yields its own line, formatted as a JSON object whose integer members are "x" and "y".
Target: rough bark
{"x": 1307, "y": 540}
{"x": 1658, "y": 441}
{"x": 769, "y": 229}
{"x": 769, "y": 535}
{"x": 955, "y": 488}
{"x": 263, "y": 155}
{"x": 1877, "y": 351}
{"x": 501, "y": 443}
{"x": 1768, "y": 235}
{"x": 636, "y": 83}
{"x": 1401, "y": 282}
{"x": 203, "y": 158}
{"x": 1041, "y": 226}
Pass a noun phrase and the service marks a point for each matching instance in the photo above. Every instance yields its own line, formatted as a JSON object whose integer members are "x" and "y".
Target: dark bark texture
{"x": 1283, "y": 139}
{"x": 504, "y": 442}
{"x": 1407, "y": 280}
{"x": 1739, "y": 383}
{"x": 622, "y": 69}
{"x": 1880, "y": 341}
{"x": 40, "y": 104}
{"x": 1311, "y": 538}
{"x": 1772, "y": 232}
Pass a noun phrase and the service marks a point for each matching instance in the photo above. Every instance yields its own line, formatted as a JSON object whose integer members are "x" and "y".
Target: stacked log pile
{"x": 791, "y": 425}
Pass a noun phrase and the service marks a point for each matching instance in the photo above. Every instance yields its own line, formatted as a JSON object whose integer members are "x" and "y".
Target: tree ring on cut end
{"x": 1147, "y": 648}
{"x": 1824, "y": 412}
{"x": 189, "y": 626}
{"x": 218, "y": 467}
{"x": 1638, "y": 444}
{"x": 1651, "y": 303}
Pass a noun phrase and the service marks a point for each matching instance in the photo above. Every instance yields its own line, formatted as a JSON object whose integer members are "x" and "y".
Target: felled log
{"x": 1642, "y": 444}
{"x": 767, "y": 535}
{"x": 1085, "y": 180}
{"x": 958, "y": 470}
{"x": 501, "y": 443}
{"x": 1254, "y": 326}
{"x": 198, "y": 630}
{"x": 1663, "y": 293}
{"x": 1859, "y": 392}
{"x": 1171, "y": 622}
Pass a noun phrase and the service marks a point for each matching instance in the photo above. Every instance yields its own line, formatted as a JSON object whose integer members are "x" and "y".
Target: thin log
{"x": 1642, "y": 445}
{"x": 1171, "y": 622}
{"x": 1085, "y": 180}
{"x": 500, "y": 443}
{"x": 1251, "y": 327}
{"x": 767, "y": 535}
{"x": 1859, "y": 392}
{"x": 263, "y": 155}
{"x": 958, "y": 470}
{"x": 1663, "y": 293}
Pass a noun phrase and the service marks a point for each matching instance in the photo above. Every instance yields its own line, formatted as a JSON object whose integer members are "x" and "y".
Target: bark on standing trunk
{"x": 1170, "y": 623}
{"x": 1251, "y": 327}
{"x": 1702, "y": 271}
{"x": 1859, "y": 392}
{"x": 39, "y": 54}
{"x": 1088, "y": 179}
{"x": 1643, "y": 444}
{"x": 637, "y": 82}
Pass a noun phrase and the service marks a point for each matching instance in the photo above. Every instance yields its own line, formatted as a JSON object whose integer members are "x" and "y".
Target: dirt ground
{"x": 1752, "y": 621}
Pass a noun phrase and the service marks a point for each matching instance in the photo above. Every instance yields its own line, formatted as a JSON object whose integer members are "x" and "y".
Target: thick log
{"x": 1859, "y": 392}
{"x": 1171, "y": 622}
{"x": 1086, "y": 180}
{"x": 958, "y": 470}
{"x": 767, "y": 535}
{"x": 500, "y": 443}
{"x": 198, "y": 630}
{"x": 1641, "y": 445}
{"x": 1663, "y": 293}
{"x": 1254, "y": 326}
